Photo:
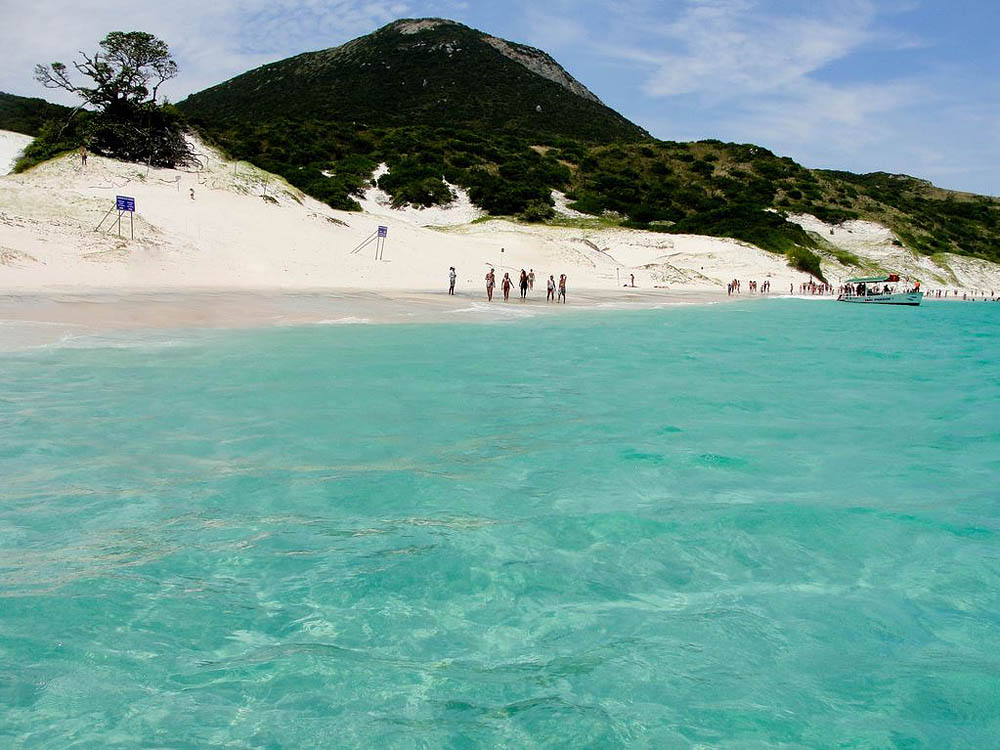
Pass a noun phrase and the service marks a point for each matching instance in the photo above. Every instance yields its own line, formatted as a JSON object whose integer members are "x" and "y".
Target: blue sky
{"x": 864, "y": 85}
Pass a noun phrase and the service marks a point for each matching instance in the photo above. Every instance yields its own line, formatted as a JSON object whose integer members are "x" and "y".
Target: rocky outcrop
{"x": 541, "y": 64}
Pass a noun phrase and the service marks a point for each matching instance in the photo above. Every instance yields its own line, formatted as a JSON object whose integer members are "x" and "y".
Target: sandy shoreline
{"x": 39, "y": 319}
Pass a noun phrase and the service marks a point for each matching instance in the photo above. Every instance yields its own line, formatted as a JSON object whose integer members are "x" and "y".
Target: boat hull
{"x": 911, "y": 299}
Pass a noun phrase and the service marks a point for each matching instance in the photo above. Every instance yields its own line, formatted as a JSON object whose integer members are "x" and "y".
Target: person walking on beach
{"x": 562, "y": 287}
{"x": 506, "y": 284}
{"x": 491, "y": 281}
{"x": 524, "y": 285}
{"x": 550, "y": 295}
{"x": 531, "y": 279}
{"x": 451, "y": 280}
{"x": 83, "y": 156}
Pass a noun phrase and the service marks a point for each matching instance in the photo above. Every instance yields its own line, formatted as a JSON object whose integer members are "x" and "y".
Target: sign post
{"x": 383, "y": 232}
{"x": 123, "y": 204}
{"x": 378, "y": 237}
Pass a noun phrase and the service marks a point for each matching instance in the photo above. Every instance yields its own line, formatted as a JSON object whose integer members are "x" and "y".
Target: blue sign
{"x": 124, "y": 203}
{"x": 383, "y": 231}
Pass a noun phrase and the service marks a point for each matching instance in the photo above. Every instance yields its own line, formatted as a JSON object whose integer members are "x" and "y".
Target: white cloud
{"x": 732, "y": 48}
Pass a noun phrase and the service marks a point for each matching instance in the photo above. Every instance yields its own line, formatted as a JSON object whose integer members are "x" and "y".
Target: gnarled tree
{"x": 125, "y": 76}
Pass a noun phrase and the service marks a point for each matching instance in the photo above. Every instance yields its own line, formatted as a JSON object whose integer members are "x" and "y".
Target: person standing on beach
{"x": 562, "y": 287}
{"x": 550, "y": 295}
{"x": 524, "y": 285}
{"x": 531, "y": 279}
{"x": 83, "y": 156}
{"x": 506, "y": 284}
{"x": 491, "y": 282}
{"x": 451, "y": 280}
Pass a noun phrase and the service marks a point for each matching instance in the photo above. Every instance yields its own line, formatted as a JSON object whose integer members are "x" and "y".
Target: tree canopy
{"x": 128, "y": 71}
{"x": 121, "y": 86}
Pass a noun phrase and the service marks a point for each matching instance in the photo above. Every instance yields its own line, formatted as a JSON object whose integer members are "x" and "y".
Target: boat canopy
{"x": 874, "y": 279}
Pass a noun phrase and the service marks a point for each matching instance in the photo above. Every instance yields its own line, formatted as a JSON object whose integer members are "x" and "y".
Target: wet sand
{"x": 33, "y": 319}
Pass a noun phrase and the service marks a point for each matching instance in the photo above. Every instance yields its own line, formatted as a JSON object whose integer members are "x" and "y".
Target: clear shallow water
{"x": 741, "y": 526}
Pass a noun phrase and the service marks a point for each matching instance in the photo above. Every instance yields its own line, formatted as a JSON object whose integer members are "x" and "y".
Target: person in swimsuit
{"x": 562, "y": 287}
{"x": 490, "y": 283}
{"x": 506, "y": 284}
{"x": 531, "y": 279}
{"x": 451, "y": 280}
{"x": 550, "y": 295}
{"x": 524, "y": 284}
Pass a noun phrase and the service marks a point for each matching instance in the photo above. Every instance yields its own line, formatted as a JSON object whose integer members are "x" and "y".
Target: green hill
{"x": 24, "y": 115}
{"x": 419, "y": 72}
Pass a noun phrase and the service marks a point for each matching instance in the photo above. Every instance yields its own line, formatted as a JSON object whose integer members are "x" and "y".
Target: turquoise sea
{"x": 750, "y": 525}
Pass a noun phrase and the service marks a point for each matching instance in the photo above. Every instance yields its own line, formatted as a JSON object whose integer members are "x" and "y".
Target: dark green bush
{"x": 537, "y": 211}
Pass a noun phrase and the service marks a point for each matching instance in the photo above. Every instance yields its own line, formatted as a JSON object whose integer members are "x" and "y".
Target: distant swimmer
{"x": 451, "y": 280}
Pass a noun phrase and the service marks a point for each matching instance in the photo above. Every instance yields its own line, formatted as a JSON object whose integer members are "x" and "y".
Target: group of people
{"x": 814, "y": 288}
{"x": 736, "y": 287}
{"x": 982, "y": 294}
{"x": 555, "y": 290}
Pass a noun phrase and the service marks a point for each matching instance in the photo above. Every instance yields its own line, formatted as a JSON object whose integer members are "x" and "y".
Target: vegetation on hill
{"x": 426, "y": 72}
{"x": 653, "y": 185}
{"x": 27, "y": 115}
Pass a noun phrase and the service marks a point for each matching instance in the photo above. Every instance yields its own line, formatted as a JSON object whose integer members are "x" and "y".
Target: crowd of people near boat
{"x": 811, "y": 288}
{"x": 872, "y": 289}
{"x": 814, "y": 288}
{"x": 555, "y": 289}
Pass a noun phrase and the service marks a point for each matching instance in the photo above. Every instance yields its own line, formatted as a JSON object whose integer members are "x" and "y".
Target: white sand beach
{"x": 228, "y": 228}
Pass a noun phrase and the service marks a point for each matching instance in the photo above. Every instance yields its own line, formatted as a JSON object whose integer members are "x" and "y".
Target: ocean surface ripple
{"x": 681, "y": 528}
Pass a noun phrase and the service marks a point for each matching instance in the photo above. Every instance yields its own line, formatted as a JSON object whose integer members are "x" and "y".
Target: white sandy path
{"x": 247, "y": 229}
{"x": 11, "y": 146}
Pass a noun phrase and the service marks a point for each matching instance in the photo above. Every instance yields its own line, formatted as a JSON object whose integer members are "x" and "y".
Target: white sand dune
{"x": 460, "y": 211}
{"x": 11, "y": 146}
{"x": 248, "y": 229}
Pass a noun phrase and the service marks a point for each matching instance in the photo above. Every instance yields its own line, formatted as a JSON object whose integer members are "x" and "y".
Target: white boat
{"x": 876, "y": 290}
